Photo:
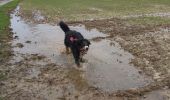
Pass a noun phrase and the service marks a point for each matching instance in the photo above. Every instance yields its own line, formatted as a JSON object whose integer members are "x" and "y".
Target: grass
{"x": 148, "y": 20}
{"x": 1, "y": 98}
{"x": 2, "y": 76}
{"x": 94, "y": 9}
{"x": 5, "y": 33}
{"x": 5, "y": 18}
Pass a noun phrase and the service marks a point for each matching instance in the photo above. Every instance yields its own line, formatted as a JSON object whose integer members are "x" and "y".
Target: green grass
{"x": 5, "y": 18}
{"x": 148, "y": 20}
{"x": 5, "y": 34}
{"x": 2, "y": 76}
{"x": 94, "y": 9}
{"x": 1, "y": 98}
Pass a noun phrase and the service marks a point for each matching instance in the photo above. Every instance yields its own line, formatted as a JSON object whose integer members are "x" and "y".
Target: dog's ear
{"x": 79, "y": 42}
{"x": 89, "y": 42}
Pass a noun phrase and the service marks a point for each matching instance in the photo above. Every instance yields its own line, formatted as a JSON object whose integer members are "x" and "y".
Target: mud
{"x": 42, "y": 70}
{"x": 144, "y": 42}
{"x": 149, "y": 44}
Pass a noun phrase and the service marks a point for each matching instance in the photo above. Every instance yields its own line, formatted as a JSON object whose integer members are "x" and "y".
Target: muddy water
{"x": 44, "y": 39}
{"x": 157, "y": 95}
{"x": 107, "y": 66}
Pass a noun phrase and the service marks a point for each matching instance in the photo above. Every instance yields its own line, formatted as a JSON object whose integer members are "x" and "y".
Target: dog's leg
{"x": 82, "y": 60}
{"x": 76, "y": 56}
{"x": 67, "y": 50}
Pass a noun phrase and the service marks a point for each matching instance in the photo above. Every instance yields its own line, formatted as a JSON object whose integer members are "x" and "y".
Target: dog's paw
{"x": 77, "y": 63}
{"x": 67, "y": 52}
{"x": 83, "y": 60}
{"x": 79, "y": 68}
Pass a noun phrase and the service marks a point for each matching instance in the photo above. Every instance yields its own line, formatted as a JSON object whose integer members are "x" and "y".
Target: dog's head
{"x": 83, "y": 46}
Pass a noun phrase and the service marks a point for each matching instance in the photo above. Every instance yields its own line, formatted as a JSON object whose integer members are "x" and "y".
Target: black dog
{"x": 74, "y": 40}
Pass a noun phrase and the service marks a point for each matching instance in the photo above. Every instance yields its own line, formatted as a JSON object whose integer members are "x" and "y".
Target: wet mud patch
{"x": 148, "y": 43}
{"x": 45, "y": 39}
{"x": 42, "y": 67}
{"x": 48, "y": 40}
{"x": 28, "y": 79}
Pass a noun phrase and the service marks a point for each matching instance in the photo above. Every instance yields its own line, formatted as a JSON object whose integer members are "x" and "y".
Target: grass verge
{"x": 5, "y": 31}
{"x": 5, "y": 34}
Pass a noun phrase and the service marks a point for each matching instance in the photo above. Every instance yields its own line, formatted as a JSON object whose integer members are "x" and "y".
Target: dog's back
{"x": 69, "y": 32}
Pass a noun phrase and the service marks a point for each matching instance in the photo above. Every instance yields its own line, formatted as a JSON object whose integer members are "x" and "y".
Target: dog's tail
{"x": 64, "y": 26}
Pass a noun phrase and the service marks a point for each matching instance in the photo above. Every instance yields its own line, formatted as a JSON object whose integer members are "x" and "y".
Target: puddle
{"x": 44, "y": 39}
{"x": 108, "y": 68}
{"x": 157, "y": 95}
{"x": 108, "y": 65}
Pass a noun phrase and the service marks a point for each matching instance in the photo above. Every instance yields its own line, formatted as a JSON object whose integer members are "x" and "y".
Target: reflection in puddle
{"x": 107, "y": 67}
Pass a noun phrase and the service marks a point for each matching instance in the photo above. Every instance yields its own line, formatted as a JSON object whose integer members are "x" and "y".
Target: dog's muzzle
{"x": 84, "y": 50}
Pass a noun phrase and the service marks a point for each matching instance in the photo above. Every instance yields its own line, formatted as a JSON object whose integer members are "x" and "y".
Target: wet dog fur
{"x": 76, "y": 42}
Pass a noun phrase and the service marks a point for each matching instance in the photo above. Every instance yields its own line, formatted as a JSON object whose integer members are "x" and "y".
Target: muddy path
{"x": 124, "y": 62}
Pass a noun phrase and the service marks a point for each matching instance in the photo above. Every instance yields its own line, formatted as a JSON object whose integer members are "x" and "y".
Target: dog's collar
{"x": 72, "y": 39}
